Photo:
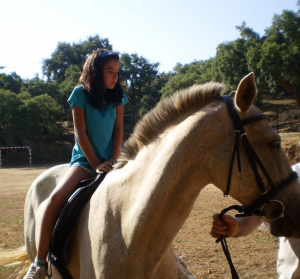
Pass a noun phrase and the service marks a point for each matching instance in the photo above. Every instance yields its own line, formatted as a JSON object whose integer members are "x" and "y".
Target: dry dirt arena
{"x": 254, "y": 256}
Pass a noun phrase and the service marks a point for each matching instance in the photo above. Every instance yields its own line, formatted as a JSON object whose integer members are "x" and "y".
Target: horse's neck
{"x": 160, "y": 186}
{"x": 141, "y": 207}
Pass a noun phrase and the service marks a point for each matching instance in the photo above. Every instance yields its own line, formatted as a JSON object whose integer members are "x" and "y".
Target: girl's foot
{"x": 36, "y": 272}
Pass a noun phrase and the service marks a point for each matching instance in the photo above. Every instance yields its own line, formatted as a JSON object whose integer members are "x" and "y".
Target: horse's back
{"x": 38, "y": 192}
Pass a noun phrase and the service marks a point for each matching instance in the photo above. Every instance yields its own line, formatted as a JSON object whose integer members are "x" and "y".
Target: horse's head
{"x": 265, "y": 168}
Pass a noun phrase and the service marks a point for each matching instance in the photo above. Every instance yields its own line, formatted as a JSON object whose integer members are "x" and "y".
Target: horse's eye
{"x": 275, "y": 144}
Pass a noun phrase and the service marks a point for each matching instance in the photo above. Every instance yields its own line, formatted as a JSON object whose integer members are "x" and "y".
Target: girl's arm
{"x": 117, "y": 134}
{"x": 82, "y": 138}
{"x": 84, "y": 142}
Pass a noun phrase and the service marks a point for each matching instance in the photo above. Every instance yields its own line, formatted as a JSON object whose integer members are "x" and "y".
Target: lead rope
{"x": 223, "y": 241}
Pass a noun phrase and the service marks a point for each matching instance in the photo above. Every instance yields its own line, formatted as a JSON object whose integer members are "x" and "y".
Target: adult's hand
{"x": 228, "y": 227}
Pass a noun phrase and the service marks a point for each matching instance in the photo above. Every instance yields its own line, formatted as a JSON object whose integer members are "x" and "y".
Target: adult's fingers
{"x": 216, "y": 219}
{"x": 216, "y": 235}
{"x": 229, "y": 219}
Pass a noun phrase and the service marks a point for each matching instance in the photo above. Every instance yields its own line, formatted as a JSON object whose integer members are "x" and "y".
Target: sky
{"x": 164, "y": 31}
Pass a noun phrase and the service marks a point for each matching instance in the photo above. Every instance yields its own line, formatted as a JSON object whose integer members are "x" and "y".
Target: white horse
{"x": 185, "y": 143}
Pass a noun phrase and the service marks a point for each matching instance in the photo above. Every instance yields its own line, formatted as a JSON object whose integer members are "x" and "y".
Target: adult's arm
{"x": 234, "y": 227}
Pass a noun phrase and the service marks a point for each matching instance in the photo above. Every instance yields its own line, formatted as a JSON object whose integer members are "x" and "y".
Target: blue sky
{"x": 168, "y": 32}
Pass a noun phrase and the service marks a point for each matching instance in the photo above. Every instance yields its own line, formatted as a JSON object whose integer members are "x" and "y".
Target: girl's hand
{"x": 229, "y": 227}
{"x": 105, "y": 166}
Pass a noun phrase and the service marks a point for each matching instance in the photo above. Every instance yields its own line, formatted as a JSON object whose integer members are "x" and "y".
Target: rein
{"x": 255, "y": 162}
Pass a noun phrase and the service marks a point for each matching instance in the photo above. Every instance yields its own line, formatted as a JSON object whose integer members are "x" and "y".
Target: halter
{"x": 255, "y": 162}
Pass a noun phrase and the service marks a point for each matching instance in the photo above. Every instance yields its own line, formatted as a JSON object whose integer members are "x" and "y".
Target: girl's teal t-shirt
{"x": 99, "y": 128}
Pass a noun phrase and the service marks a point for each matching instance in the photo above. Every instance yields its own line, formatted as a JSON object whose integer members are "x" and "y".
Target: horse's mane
{"x": 183, "y": 102}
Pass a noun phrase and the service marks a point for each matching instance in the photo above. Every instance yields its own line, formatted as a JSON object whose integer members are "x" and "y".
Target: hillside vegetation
{"x": 46, "y": 150}
{"x": 35, "y": 111}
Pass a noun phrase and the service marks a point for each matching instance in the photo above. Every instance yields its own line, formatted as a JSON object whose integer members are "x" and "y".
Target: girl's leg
{"x": 55, "y": 204}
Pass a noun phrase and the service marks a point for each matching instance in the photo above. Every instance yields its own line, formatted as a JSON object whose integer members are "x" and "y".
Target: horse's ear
{"x": 246, "y": 93}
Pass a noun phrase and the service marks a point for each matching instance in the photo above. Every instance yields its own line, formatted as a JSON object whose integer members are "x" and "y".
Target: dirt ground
{"x": 254, "y": 256}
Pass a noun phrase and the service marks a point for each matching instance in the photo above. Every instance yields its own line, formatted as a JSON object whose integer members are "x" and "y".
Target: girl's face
{"x": 110, "y": 74}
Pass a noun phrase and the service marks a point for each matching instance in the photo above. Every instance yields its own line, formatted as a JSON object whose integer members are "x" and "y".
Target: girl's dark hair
{"x": 92, "y": 79}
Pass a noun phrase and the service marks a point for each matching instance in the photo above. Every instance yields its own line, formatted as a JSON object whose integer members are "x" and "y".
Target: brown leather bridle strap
{"x": 253, "y": 158}
{"x": 254, "y": 161}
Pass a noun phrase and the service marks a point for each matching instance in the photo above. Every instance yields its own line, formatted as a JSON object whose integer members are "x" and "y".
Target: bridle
{"x": 255, "y": 162}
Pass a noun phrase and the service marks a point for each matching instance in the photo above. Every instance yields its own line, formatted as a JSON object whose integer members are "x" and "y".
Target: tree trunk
{"x": 289, "y": 87}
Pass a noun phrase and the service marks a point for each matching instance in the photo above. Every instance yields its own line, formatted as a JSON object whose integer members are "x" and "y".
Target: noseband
{"x": 255, "y": 162}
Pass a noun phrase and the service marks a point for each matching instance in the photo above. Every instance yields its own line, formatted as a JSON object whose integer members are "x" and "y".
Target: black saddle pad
{"x": 67, "y": 221}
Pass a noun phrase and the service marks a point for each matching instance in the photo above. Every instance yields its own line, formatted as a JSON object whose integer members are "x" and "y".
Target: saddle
{"x": 66, "y": 223}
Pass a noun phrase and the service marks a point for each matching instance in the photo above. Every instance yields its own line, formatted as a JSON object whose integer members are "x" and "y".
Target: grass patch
{"x": 6, "y": 269}
{"x": 179, "y": 240}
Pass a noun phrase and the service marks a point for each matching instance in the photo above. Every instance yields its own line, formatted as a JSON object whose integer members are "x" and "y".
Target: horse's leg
{"x": 183, "y": 272}
{"x": 167, "y": 267}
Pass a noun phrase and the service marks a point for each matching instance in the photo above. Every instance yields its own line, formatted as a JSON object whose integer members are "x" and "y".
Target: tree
{"x": 197, "y": 72}
{"x": 8, "y": 107}
{"x": 179, "y": 81}
{"x": 138, "y": 74}
{"x": 37, "y": 86}
{"x": 67, "y": 55}
{"x": 72, "y": 75}
{"x": 36, "y": 116}
{"x": 11, "y": 82}
{"x": 151, "y": 97}
{"x": 2, "y": 75}
{"x": 281, "y": 53}
{"x": 28, "y": 118}
{"x": 230, "y": 63}
{"x": 156, "y": 86}
{"x": 270, "y": 64}
{"x": 247, "y": 33}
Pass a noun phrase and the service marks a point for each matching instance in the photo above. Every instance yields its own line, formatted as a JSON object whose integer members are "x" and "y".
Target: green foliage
{"x": 143, "y": 106}
{"x": 66, "y": 55}
{"x": 8, "y": 107}
{"x": 37, "y": 86}
{"x": 187, "y": 75}
{"x": 72, "y": 75}
{"x": 246, "y": 32}
{"x": 2, "y": 75}
{"x": 288, "y": 24}
{"x": 33, "y": 107}
{"x": 272, "y": 57}
{"x": 230, "y": 64}
{"x": 28, "y": 118}
{"x": 253, "y": 57}
{"x": 38, "y": 115}
{"x": 270, "y": 63}
{"x": 156, "y": 86}
{"x": 138, "y": 75}
{"x": 24, "y": 95}
{"x": 11, "y": 82}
